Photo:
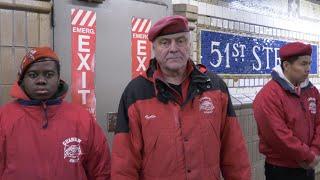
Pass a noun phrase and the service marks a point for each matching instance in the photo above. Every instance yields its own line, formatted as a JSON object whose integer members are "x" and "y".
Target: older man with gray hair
{"x": 176, "y": 121}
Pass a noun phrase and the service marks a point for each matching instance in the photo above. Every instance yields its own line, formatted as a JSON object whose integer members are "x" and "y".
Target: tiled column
{"x": 191, "y": 13}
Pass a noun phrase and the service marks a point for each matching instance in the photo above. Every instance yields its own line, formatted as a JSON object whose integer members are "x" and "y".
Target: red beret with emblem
{"x": 34, "y": 55}
{"x": 168, "y": 25}
{"x": 294, "y": 49}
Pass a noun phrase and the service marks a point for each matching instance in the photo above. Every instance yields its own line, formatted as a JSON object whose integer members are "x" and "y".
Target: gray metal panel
{"x": 113, "y": 45}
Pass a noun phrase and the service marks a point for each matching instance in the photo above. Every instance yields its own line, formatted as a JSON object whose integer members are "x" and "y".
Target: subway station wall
{"x": 275, "y": 20}
{"x": 228, "y": 37}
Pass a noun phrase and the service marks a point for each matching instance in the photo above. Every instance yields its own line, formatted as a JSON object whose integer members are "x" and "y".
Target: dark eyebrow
{"x": 46, "y": 70}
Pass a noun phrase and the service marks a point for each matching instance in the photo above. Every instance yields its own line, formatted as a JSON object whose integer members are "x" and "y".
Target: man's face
{"x": 299, "y": 70}
{"x": 172, "y": 51}
{"x": 41, "y": 80}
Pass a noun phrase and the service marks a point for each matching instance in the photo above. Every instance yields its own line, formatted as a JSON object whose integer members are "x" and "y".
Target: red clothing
{"x": 54, "y": 140}
{"x": 162, "y": 135}
{"x": 288, "y": 121}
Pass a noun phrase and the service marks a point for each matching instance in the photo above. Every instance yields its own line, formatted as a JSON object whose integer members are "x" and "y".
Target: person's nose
{"x": 308, "y": 69}
{"x": 173, "y": 47}
{"x": 41, "y": 80}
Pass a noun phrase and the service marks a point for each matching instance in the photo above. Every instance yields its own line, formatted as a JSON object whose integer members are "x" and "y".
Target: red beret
{"x": 35, "y": 54}
{"x": 168, "y": 25}
{"x": 294, "y": 49}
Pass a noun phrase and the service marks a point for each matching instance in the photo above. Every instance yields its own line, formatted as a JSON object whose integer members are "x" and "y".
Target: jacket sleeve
{"x": 127, "y": 144}
{"x": 315, "y": 144}
{"x": 2, "y": 146}
{"x": 235, "y": 162}
{"x": 268, "y": 113}
{"x": 98, "y": 160}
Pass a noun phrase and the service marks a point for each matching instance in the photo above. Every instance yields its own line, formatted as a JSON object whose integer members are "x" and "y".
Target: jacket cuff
{"x": 310, "y": 158}
{"x": 315, "y": 150}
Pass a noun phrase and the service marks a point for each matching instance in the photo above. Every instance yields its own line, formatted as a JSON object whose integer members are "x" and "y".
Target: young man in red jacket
{"x": 176, "y": 121}
{"x": 44, "y": 137}
{"x": 287, "y": 113}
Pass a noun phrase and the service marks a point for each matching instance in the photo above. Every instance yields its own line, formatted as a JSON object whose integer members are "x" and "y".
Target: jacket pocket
{"x": 161, "y": 154}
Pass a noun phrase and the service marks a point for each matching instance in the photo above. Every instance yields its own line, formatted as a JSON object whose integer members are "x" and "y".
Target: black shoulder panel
{"x": 138, "y": 89}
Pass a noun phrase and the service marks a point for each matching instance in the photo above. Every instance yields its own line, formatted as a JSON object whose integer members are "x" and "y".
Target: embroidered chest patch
{"x": 312, "y": 105}
{"x": 206, "y": 105}
{"x": 72, "y": 149}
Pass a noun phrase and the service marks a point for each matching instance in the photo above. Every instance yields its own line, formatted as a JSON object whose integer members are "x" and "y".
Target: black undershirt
{"x": 176, "y": 88}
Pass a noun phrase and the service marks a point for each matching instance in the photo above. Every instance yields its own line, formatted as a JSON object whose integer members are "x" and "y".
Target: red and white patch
{"x": 206, "y": 105}
{"x": 312, "y": 105}
{"x": 72, "y": 149}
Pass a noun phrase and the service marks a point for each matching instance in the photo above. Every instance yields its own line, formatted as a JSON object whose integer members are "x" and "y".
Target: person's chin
{"x": 175, "y": 67}
{"x": 303, "y": 80}
{"x": 178, "y": 59}
{"x": 42, "y": 97}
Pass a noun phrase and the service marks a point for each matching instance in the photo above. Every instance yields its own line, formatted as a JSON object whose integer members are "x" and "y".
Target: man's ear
{"x": 286, "y": 65}
{"x": 59, "y": 78}
{"x": 21, "y": 84}
{"x": 153, "y": 45}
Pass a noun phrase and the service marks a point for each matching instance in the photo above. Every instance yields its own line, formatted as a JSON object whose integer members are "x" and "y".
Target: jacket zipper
{"x": 45, "y": 121}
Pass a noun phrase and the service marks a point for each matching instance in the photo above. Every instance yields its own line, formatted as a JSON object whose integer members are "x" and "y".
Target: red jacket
{"x": 162, "y": 135}
{"x": 288, "y": 121}
{"x": 55, "y": 140}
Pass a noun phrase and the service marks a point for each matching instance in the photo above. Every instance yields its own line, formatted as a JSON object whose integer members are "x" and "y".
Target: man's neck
{"x": 174, "y": 77}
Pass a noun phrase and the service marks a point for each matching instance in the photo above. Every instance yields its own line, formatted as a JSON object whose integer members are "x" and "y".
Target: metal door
{"x": 113, "y": 44}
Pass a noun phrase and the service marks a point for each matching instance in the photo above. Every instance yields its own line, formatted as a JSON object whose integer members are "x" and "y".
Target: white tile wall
{"x": 236, "y": 25}
{"x": 247, "y": 82}
{"x": 207, "y": 21}
{"x": 271, "y": 20}
{"x": 210, "y": 10}
{"x": 247, "y": 27}
{"x": 202, "y": 8}
{"x": 251, "y": 28}
{"x": 225, "y": 13}
{"x": 177, "y": 1}
{"x": 251, "y": 82}
{"x": 233, "y": 13}
{"x": 230, "y": 83}
{"x": 201, "y": 19}
{"x": 241, "y": 15}
{"x": 241, "y": 26}
{"x": 241, "y": 83}
{"x": 213, "y": 22}
{"x": 231, "y": 25}
{"x": 218, "y": 11}
{"x": 257, "y": 29}
{"x": 193, "y": 2}
{"x": 225, "y": 24}
{"x": 236, "y": 83}
{"x": 232, "y": 90}
{"x": 219, "y": 23}
{"x": 261, "y": 82}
